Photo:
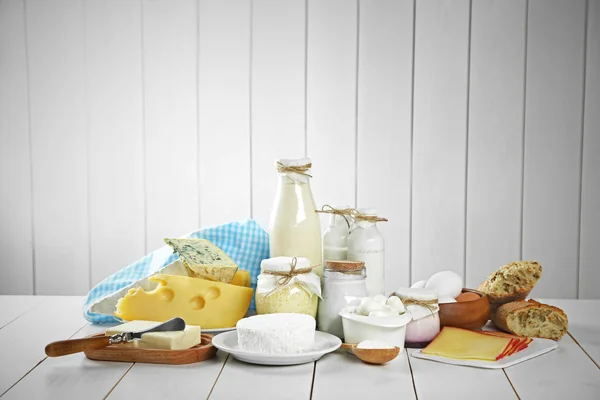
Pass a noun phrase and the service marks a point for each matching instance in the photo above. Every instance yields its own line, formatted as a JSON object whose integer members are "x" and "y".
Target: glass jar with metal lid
{"x": 343, "y": 281}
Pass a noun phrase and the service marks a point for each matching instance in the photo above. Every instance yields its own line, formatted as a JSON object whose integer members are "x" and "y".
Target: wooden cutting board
{"x": 200, "y": 352}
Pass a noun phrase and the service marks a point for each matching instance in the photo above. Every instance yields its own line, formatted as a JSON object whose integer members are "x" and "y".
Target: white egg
{"x": 446, "y": 299}
{"x": 418, "y": 285}
{"x": 396, "y": 304}
{"x": 445, "y": 283}
{"x": 380, "y": 298}
{"x": 386, "y": 312}
{"x": 368, "y": 305}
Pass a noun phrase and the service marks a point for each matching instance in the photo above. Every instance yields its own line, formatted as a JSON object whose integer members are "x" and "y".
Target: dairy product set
{"x": 336, "y": 278}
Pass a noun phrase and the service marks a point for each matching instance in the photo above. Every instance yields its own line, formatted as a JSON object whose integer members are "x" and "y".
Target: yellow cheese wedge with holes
{"x": 241, "y": 278}
{"x": 198, "y": 301}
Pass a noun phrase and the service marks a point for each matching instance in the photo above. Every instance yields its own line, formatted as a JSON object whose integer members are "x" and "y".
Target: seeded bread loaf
{"x": 532, "y": 319}
{"x": 511, "y": 282}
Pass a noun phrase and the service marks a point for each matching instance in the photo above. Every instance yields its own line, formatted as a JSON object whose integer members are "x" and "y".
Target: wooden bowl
{"x": 472, "y": 314}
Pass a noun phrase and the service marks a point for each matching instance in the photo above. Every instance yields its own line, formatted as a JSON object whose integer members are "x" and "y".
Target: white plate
{"x": 218, "y": 330}
{"x": 324, "y": 343}
{"x": 536, "y": 348}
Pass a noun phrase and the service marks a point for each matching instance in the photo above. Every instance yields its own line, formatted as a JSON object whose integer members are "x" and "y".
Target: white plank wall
{"x": 470, "y": 124}
{"x": 589, "y": 273}
{"x": 495, "y": 154}
{"x": 553, "y": 129}
{"x": 439, "y": 136}
{"x": 115, "y": 132}
{"x": 224, "y": 110}
{"x": 16, "y": 243}
{"x": 384, "y": 126}
{"x": 331, "y": 101}
{"x": 170, "y": 118}
{"x": 59, "y": 146}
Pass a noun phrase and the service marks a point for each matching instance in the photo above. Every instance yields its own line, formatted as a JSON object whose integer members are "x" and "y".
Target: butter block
{"x": 198, "y": 301}
{"x": 177, "y": 340}
{"x": 204, "y": 259}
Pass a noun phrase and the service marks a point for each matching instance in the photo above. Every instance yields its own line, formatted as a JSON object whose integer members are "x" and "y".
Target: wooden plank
{"x": 115, "y": 119}
{"x": 583, "y": 329}
{"x": 439, "y": 136}
{"x": 190, "y": 381}
{"x": 70, "y": 377}
{"x": 495, "y": 136}
{"x": 331, "y": 96}
{"x": 15, "y": 157}
{"x": 335, "y": 372}
{"x": 55, "y": 39}
{"x": 278, "y": 93}
{"x": 384, "y": 127}
{"x": 224, "y": 110}
{"x": 435, "y": 380}
{"x": 589, "y": 251}
{"x": 171, "y": 133}
{"x": 290, "y": 382}
{"x": 555, "y": 53}
{"x": 560, "y": 374}
{"x": 12, "y": 307}
{"x": 22, "y": 342}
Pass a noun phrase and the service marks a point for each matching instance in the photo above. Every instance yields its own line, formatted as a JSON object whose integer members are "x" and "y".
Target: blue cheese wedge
{"x": 204, "y": 259}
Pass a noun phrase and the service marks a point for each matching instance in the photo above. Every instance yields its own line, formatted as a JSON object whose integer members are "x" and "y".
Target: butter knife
{"x": 65, "y": 347}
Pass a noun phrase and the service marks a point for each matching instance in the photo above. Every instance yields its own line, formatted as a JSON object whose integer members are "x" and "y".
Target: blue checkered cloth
{"x": 244, "y": 241}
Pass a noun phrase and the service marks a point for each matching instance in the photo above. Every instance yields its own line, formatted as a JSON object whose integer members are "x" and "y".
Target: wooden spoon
{"x": 373, "y": 356}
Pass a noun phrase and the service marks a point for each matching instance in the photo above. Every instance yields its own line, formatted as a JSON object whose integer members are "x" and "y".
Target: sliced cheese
{"x": 204, "y": 259}
{"x": 179, "y": 340}
{"x": 198, "y": 301}
{"x": 241, "y": 278}
{"x": 464, "y": 344}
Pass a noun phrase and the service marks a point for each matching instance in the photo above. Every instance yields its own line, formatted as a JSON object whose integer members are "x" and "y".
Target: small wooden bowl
{"x": 472, "y": 314}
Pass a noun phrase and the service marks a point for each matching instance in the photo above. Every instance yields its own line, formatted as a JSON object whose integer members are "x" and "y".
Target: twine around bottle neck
{"x": 296, "y": 169}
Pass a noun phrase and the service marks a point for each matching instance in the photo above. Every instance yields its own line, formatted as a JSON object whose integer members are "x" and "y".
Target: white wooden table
{"x": 28, "y": 323}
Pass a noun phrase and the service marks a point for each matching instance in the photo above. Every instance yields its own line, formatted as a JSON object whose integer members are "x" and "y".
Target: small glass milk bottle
{"x": 335, "y": 238}
{"x": 366, "y": 243}
{"x": 295, "y": 225}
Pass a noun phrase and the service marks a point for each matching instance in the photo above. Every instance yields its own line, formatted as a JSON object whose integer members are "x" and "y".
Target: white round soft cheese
{"x": 396, "y": 304}
{"x": 282, "y": 333}
{"x": 418, "y": 285}
{"x": 445, "y": 283}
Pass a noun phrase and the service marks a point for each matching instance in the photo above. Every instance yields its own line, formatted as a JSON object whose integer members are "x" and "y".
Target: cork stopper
{"x": 344, "y": 266}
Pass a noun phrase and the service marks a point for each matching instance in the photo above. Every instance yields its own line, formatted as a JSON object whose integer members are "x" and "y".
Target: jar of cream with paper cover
{"x": 422, "y": 304}
{"x": 287, "y": 285}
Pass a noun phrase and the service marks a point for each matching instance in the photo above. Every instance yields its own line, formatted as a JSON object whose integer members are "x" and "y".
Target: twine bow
{"x": 369, "y": 218}
{"x": 428, "y": 304}
{"x": 286, "y": 276}
{"x": 297, "y": 169}
{"x": 344, "y": 212}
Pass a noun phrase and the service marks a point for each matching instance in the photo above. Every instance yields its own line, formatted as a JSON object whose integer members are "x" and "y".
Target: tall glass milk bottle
{"x": 366, "y": 243}
{"x": 335, "y": 238}
{"x": 295, "y": 225}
